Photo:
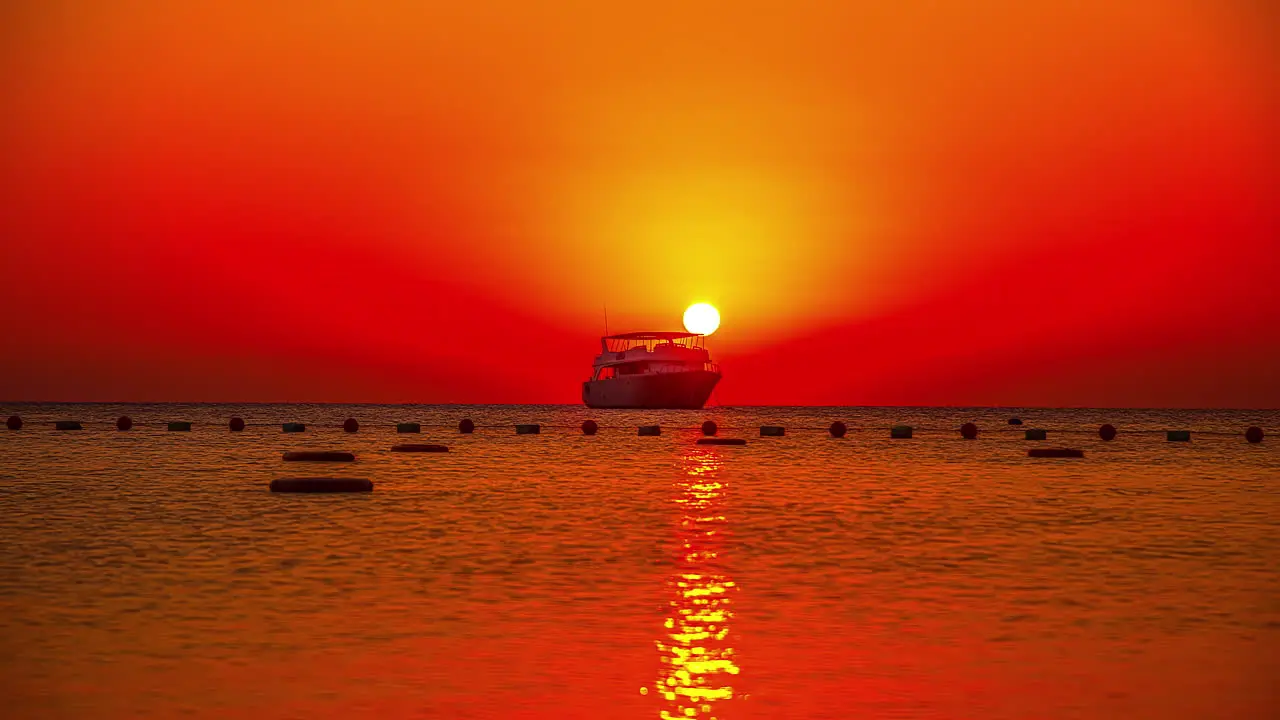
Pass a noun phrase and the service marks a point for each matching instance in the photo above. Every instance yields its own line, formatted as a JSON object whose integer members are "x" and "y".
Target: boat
{"x": 651, "y": 370}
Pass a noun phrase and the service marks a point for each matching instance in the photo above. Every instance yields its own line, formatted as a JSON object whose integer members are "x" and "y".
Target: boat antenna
{"x": 606, "y": 320}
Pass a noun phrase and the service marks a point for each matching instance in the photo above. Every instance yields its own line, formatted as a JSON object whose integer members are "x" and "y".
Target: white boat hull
{"x": 675, "y": 391}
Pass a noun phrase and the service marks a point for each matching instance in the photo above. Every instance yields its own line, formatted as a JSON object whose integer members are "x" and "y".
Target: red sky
{"x": 1071, "y": 203}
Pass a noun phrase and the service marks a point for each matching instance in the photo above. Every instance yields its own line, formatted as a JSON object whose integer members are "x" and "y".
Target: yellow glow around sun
{"x": 701, "y": 318}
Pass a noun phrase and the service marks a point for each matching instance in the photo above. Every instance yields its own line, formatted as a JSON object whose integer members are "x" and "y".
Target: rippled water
{"x": 152, "y": 574}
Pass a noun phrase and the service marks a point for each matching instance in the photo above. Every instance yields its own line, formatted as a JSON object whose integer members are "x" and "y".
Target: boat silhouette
{"x": 652, "y": 370}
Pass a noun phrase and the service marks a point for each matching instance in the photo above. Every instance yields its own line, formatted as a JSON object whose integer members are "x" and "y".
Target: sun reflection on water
{"x": 698, "y": 666}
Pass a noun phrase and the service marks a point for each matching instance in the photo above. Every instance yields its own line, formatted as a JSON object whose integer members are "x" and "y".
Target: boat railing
{"x": 663, "y": 369}
{"x": 610, "y": 372}
{"x": 652, "y": 342}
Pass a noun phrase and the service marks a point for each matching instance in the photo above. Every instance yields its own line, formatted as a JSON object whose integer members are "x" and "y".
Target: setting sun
{"x": 701, "y": 318}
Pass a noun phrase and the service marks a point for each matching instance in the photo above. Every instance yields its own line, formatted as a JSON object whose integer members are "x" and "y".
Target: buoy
{"x": 772, "y": 431}
{"x": 293, "y": 427}
{"x": 124, "y": 422}
{"x": 14, "y": 422}
{"x": 236, "y": 424}
{"x": 466, "y": 427}
{"x": 1253, "y": 434}
{"x": 408, "y": 427}
{"x": 649, "y": 430}
{"x": 1107, "y": 432}
{"x": 589, "y": 427}
{"x": 419, "y": 448}
{"x": 321, "y": 485}
{"x": 179, "y": 426}
{"x": 838, "y": 429}
{"x": 1015, "y": 421}
{"x": 67, "y": 425}
{"x": 968, "y": 431}
{"x": 709, "y": 427}
{"x": 720, "y": 441}
{"x": 1055, "y": 453}
{"x": 1178, "y": 436}
{"x": 350, "y": 425}
{"x": 900, "y": 432}
{"x": 1036, "y": 434}
{"x": 318, "y": 456}
{"x": 528, "y": 429}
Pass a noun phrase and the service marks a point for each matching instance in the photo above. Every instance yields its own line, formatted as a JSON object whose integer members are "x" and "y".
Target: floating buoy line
{"x": 708, "y": 429}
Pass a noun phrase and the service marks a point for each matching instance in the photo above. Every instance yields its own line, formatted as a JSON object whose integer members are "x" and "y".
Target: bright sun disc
{"x": 701, "y": 318}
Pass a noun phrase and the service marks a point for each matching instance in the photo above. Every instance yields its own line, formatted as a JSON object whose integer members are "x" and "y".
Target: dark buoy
{"x": 838, "y": 429}
{"x": 1036, "y": 434}
{"x": 589, "y": 427}
{"x": 350, "y": 425}
{"x": 968, "y": 431}
{"x": 1107, "y": 432}
{"x": 13, "y": 423}
{"x": 1015, "y": 421}
{"x": 650, "y": 430}
{"x": 408, "y": 428}
{"x": 321, "y": 485}
{"x": 67, "y": 425}
{"x": 318, "y": 456}
{"x": 419, "y": 448}
{"x": 900, "y": 432}
{"x": 1055, "y": 453}
{"x": 1178, "y": 436}
{"x": 709, "y": 428}
{"x": 236, "y": 424}
{"x": 293, "y": 427}
{"x": 772, "y": 431}
{"x": 466, "y": 427}
{"x": 1253, "y": 435}
{"x": 124, "y": 422}
{"x": 528, "y": 429}
{"x": 180, "y": 426}
{"x": 720, "y": 441}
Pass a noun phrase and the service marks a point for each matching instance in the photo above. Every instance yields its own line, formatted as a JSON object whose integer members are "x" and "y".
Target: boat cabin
{"x": 647, "y": 353}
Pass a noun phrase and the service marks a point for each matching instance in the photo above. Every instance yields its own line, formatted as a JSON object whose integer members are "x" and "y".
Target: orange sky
{"x": 890, "y": 203}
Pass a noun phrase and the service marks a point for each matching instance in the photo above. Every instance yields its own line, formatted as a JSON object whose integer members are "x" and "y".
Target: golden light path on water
{"x": 697, "y": 656}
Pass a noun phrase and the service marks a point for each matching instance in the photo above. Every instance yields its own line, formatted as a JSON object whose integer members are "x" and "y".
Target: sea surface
{"x": 152, "y": 574}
